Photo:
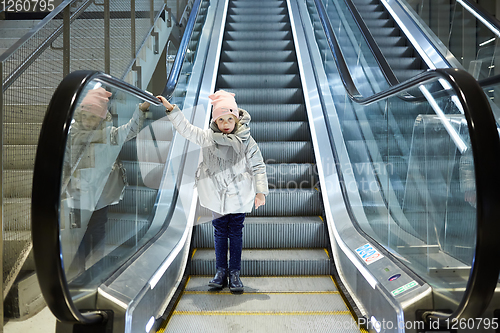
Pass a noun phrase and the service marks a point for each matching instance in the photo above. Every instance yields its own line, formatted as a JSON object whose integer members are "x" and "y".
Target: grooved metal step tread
{"x": 232, "y": 45}
{"x": 270, "y": 284}
{"x": 281, "y": 304}
{"x": 263, "y": 56}
{"x": 256, "y": 67}
{"x": 283, "y": 220}
{"x": 259, "y": 4}
{"x": 271, "y": 97}
{"x": 276, "y": 112}
{"x": 264, "y": 254}
{"x": 287, "y": 202}
{"x": 311, "y": 323}
{"x": 259, "y": 81}
{"x": 274, "y": 262}
{"x": 257, "y": 18}
{"x": 280, "y": 131}
{"x": 271, "y": 233}
{"x": 262, "y": 303}
{"x": 249, "y": 26}
{"x": 242, "y": 11}
{"x": 257, "y": 35}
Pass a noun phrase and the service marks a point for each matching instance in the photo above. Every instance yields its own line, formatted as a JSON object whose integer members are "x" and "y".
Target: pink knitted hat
{"x": 224, "y": 103}
{"x": 96, "y": 102}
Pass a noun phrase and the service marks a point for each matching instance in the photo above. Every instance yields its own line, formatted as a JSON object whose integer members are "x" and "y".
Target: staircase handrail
{"x": 173, "y": 77}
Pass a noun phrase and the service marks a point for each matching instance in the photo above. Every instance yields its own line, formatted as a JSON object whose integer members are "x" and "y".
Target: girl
{"x": 230, "y": 179}
{"x": 95, "y": 178}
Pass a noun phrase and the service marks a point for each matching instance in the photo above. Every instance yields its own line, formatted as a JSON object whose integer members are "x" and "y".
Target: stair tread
{"x": 264, "y": 322}
{"x": 268, "y": 254}
{"x": 274, "y": 284}
{"x": 275, "y": 303}
{"x": 283, "y": 220}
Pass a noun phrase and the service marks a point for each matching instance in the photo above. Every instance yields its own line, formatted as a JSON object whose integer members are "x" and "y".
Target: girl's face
{"x": 90, "y": 121}
{"x": 226, "y": 123}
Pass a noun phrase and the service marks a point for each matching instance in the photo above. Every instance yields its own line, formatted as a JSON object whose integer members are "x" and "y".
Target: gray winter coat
{"x": 232, "y": 170}
{"x": 96, "y": 178}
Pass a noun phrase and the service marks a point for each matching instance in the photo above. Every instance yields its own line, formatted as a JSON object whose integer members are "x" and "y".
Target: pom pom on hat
{"x": 96, "y": 102}
{"x": 224, "y": 103}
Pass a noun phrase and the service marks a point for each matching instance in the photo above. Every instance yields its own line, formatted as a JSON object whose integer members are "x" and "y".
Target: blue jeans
{"x": 226, "y": 227}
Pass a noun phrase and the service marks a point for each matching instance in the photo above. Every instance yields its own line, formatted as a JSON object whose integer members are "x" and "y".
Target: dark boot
{"x": 235, "y": 283}
{"x": 220, "y": 279}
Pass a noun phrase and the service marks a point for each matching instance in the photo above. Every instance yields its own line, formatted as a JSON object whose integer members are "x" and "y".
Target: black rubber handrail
{"x": 485, "y": 143}
{"x": 46, "y": 193}
{"x": 173, "y": 77}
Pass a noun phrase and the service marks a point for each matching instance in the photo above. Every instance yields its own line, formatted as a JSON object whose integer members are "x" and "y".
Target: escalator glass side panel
{"x": 105, "y": 184}
{"x": 410, "y": 180}
{"x": 104, "y": 226}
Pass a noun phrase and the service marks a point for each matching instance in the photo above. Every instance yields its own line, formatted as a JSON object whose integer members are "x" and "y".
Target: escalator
{"x": 398, "y": 51}
{"x": 407, "y": 149}
{"x": 365, "y": 222}
{"x": 285, "y": 259}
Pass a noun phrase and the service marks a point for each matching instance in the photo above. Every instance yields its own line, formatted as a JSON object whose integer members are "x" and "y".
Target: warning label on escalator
{"x": 368, "y": 254}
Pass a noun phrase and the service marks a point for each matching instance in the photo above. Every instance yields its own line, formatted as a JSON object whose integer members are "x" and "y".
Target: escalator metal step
{"x": 271, "y": 233}
{"x": 258, "y": 18}
{"x": 255, "y": 11}
{"x": 292, "y": 175}
{"x": 287, "y": 152}
{"x": 256, "y": 56}
{"x": 261, "y": 67}
{"x": 268, "y": 262}
{"x": 257, "y": 4}
{"x": 271, "y": 97}
{"x": 282, "y": 131}
{"x": 275, "y": 45}
{"x": 257, "y": 35}
{"x": 265, "y": 26}
{"x": 259, "y": 81}
{"x": 276, "y": 112}
{"x": 270, "y": 304}
{"x": 281, "y": 202}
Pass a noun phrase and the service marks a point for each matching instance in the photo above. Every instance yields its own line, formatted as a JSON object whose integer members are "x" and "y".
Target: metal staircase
{"x": 399, "y": 52}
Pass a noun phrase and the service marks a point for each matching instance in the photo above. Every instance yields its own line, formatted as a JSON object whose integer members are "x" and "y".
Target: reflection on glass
{"x": 99, "y": 165}
{"x": 463, "y": 32}
{"x": 119, "y": 178}
{"x": 357, "y": 53}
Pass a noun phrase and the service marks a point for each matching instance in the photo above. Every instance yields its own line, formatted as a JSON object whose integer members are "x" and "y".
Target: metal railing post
{"x": 66, "y": 40}
{"x": 169, "y": 17}
{"x": 132, "y": 28}
{"x": 151, "y": 12}
{"x": 107, "y": 38}
{"x": 177, "y": 10}
{"x": 135, "y": 68}
{"x": 1, "y": 190}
